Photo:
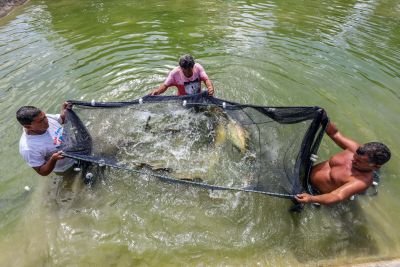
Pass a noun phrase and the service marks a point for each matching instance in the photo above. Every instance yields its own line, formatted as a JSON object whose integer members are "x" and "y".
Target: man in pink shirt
{"x": 187, "y": 78}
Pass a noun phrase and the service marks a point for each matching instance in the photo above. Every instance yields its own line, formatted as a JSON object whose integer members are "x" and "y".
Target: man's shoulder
{"x": 174, "y": 77}
{"x": 31, "y": 142}
{"x": 29, "y": 146}
{"x": 55, "y": 117}
{"x": 198, "y": 66}
{"x": 175, "y": 70}
{"x": 346, "y": 152}
{"x": 363, "y": 176}
{"x": 23, "y": 140}
{"x": 341, "y": 157}
{"x": 199, "y": 70}
{"x": 55, "y": 121}
{"x": 360, "y": 181}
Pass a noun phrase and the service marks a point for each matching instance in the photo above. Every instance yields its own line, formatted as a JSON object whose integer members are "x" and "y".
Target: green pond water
{"x": 340, "y": 55}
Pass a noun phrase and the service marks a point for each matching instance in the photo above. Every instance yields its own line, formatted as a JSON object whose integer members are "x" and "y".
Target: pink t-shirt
{"x": 187, "y": 86}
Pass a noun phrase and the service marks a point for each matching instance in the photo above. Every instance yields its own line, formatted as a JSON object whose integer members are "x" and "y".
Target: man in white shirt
{"x": 41, "y": 139}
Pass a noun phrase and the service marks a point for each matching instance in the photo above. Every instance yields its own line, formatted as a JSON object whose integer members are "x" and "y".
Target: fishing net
{"x": 199, "y": 140}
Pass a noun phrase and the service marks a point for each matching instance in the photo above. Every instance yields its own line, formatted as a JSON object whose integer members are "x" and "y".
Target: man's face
{"x": 39, "y": 124}
{"x": 187, "y": 72}
{"x": 362, "y": 163}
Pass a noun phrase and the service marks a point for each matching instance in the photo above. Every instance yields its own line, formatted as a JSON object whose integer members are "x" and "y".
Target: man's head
{"x": 33, "y": 119}
{"x": 186, "y": 62}
{"x": 373, "y": 155}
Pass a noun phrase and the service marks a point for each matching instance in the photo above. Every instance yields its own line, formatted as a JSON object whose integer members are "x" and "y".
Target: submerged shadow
{"x": 324, "y": 233}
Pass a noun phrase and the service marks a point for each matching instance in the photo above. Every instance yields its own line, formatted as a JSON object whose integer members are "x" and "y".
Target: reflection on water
{"x": 341, "y": 55}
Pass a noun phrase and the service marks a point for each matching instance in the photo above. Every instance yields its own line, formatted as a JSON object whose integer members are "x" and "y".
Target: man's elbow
{"x": 42, "y": 172}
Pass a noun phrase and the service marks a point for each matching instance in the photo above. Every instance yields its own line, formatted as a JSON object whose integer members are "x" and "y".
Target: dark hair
{"x": 26, "y": 114}
{"x": 186, "y": 61}
{"x": 378, "y": 153}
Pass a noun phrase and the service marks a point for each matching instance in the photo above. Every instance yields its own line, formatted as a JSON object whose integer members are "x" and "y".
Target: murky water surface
{"x": 340, "y": 55}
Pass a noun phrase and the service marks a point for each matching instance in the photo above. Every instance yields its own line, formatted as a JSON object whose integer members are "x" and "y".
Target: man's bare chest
{"x": 340, "y": 168}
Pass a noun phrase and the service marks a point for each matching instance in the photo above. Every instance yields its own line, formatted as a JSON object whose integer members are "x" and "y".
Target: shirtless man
{"x": 187, "y": 77}
{"x": 346, "y": 173}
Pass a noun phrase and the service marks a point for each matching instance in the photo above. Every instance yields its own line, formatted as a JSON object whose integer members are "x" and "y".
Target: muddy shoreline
{"x": 7, "y": 6}
{"x": 381, "y": 263}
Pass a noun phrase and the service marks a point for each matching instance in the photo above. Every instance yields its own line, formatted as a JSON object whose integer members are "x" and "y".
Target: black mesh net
{"x": 199, "y": 140}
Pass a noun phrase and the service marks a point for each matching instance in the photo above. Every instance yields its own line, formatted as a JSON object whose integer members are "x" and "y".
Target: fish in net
{"x": 199, "y": 140}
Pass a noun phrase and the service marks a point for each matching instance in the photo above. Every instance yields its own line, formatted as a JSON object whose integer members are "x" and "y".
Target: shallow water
{"x": 340, "y": 55}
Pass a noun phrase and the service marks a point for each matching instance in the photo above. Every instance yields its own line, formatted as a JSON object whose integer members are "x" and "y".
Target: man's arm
{"x": 344, "y": 192}
{"x": 161, "y": 89}
{"x": 341, "y": 140}
{"x": 48, "y": 167}
{"x": 210, "y": 87}
{"x": 65, "y": 105}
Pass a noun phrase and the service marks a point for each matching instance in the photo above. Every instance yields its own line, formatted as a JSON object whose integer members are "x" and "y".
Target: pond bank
{"x": 382, "y": 263}
{"x": 6, "y": 6}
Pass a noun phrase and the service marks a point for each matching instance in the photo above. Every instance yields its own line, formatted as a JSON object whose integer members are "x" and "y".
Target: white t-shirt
{"x": 37, "y": 149}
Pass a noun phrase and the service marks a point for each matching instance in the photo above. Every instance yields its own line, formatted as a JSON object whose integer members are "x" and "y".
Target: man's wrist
{"x": 54, "y": 157}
